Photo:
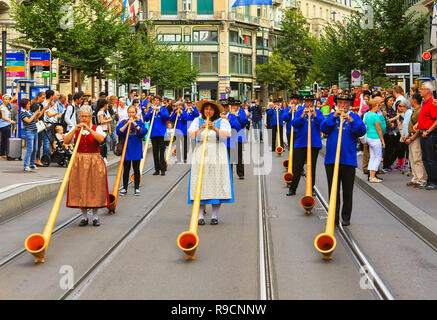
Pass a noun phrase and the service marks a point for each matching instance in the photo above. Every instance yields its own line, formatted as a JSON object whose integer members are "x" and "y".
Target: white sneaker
{"x": 123, "y": 192}
{"x": 27, "y": 169}
{"x": 137, "y": 192}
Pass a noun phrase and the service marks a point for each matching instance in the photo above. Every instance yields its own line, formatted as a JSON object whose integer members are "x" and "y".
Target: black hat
{"x": 309, "y": 97}
{"x": 278, "y": 100}
{"x": 224, "y": 103}
{"x": 299, "y": 97}
{"x": 345, "y": 97}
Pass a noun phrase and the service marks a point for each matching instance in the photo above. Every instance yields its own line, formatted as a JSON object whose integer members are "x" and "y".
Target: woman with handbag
{"x": 30, "y": 132}
{"x": 134, "y": 149}
{"x": 36, "y": 105}
{"x": 6, "y": 123}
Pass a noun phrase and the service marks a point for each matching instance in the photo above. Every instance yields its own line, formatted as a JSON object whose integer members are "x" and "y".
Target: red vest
{"x": 87, "y": 143}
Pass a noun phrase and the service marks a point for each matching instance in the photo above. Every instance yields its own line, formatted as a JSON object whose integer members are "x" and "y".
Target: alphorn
{"x": 188, "y": 240}
{"x": 288, "y": 164}
{"x": 325, "y": 242}
{"x": 308, "y": 201}
{"x": 113, "y": 197}
{"x": 279, "y": 148}
{"x": 171, "y": 141}
{"x": 37, "y": 243}
{"x": 143, "y": 160}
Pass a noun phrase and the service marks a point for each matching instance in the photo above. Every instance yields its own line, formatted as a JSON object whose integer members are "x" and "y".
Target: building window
{"x": 169, "y": 7}
{"x": 187, "y": 38}
{"x": 247, "y": 64}
{"x": 234, "y": 38}
{"x": 186, "y": 5}
{"x": 258, "y": 12}
{"x": 205, "y": 36}
{"x": 240, "y": 64}
{"x": 233, "y": 63}
{"x": 169, "y": 38}
{"x": 205, "y": 7}
{"x": 206, "y": 62}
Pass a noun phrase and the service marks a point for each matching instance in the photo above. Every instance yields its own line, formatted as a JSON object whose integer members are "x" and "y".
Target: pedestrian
{"x": 134, "y": 149}
{"x": 6, "y": 124}
{"x": 104, "y": 119}
{"x": 256, "y": 110}
{"x": 122, "y": 110}
{"x": 353, "y": 128}
{"x": 392, "y": 136}
{"x": 88, "y": 183}
{"x": 37, "y": 104}
{"x": 29, "y": 119}
{"x": 158, "y": 131}
{"x": 427, "y": 124}
{"x": 131, "y": 97}
{"x": 113, "y": 112}
{"x": 51, "y": 116}
{"x": 71, "y": 112}
{"x": 275, "y": 112}
{"x": 374, "y": 138}
{"x": 418, "y": 171}
{"x": 217, "y": 185}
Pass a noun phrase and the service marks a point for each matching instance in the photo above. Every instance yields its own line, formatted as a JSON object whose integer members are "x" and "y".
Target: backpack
{"x": 62, "y": 120}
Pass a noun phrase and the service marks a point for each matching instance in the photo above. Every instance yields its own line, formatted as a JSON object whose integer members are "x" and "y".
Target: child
{"x": 60, "y": 136}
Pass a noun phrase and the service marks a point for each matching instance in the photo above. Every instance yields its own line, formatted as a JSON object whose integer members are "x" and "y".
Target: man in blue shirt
{"x": 353, "y": 128}
{"x": 273, "y": 112}
{"x": 240, "y": 134}
{"x": 300, "y": 123}
{"x": 157, "y": 135}
{"x": 286, "y": 117}
{"x": 257, "y": 116}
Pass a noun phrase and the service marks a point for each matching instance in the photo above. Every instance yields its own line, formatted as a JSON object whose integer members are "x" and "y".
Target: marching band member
{"x": 217, "y": 186}
{"x": 353, "y": 128}
{"x": 274, "y": 123}
{"x": 181, "y": 130}
{"x": 240, "y": 134}
{"x": 88, "y": 184}
{"x": 134, "y": 149}
{"x": 286, "y": 117}
{"x": 157, "y": 135}
{"x": 300, "y": 122}
{"x": 192, "y": 113}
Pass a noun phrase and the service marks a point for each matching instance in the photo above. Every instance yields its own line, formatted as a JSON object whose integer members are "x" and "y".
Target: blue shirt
{"x": 407, "y": 118}
{"x": 272, "y": 113}
{"x": 28, "y": 126}
{"x": 244, "y": 121}
{"x": 160, "y": 124}
{"x": 301, "y": 124}
{"x": 134, "y": 150}
{"x": 286, "y": 117}
{"x": 235, "y": 127}
{"x": 60, "y": 107}
{"x": 181, "y": 126}
{"x": 351, "y": 132}
{"x": 7, "y": 113}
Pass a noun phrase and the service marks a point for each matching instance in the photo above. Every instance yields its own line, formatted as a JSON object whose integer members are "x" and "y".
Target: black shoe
{"x": 345, "y": 223}
{"x": 201, "y": 222}
{"x": 214, "y": 221}
{"x": 291, "y": 193}
{"x": 83, "y": 222}
{"x": 162, "y": 173}
{"x": 156, "y": 173}
{"x": 241, "y": 178}
{"x": 96, "y": 223}
{"x": 365, "y": 172}
{"x": 376, "y": 176}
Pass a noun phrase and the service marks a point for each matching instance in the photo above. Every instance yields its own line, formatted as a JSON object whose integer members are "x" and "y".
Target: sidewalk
{"x": 20, "y": 190}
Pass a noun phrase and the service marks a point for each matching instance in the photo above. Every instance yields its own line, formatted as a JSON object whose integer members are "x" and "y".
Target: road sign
{"x": 228, "y": 89}
{"x": 426, "y": 56}
{"x": 146, "y": 84}
{"x": 356, "y": 78}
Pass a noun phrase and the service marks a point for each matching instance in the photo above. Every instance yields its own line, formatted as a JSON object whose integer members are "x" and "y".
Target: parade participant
{"x": 240, "y": 134}
{"x": 300, "y": 122}
{"x": 235, "y": 127}
{"x": 157, "y": 135}
{"x": 134, "y": 149}
{"x": 353, "y": 128}
{"x": 274, "y": 122}
{"x": 286, "y": 117}
{"x": 181, "y": 131}
{"x": 332, "y": 100}
{"x": 88, "y": 184}
{"x": 256, "y": 111}
{"x": 192, "y": 113}
{"x": 217, "y": 186}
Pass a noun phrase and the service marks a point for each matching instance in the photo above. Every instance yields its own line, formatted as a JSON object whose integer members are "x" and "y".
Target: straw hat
{"x": 201, "y": 104}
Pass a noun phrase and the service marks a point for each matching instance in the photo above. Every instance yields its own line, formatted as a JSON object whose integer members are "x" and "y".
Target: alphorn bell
{"x": 288, "y": 164}
{"x": 279, "y": 148}
{"x": 308, "y": 201}
{"x": 143, "y": 160}
{"x": 171, "y": 141}
{"x": 188, "y": 240}
{"x": 325, "y": 242}
{"x": 113, "y": 197}
{"x": 37, "y": 243}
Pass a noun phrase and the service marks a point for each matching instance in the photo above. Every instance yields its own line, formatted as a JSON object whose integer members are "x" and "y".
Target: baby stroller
{"x": 58, "y": 153}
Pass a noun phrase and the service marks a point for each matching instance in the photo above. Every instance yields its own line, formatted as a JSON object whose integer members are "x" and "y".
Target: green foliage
{"x": 278, "y": 72}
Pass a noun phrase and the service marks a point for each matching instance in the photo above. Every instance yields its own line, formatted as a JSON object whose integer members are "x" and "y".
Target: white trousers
{"x": 375, "y": 149}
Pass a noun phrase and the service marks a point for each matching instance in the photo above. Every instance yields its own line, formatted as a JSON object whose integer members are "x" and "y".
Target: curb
{"x": 22, "y": 198}
{"x": 414, "y": 218}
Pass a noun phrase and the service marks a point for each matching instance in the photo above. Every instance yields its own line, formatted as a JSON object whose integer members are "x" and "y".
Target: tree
{"x": 278, "y": 72}
{"x": 296, "y": 44}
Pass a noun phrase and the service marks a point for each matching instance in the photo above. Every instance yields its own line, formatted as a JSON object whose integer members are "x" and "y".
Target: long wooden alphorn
{"x": 325, "y": 242}
{"x": 37, "y": 243}
{"x": 188, "y": 240}
{"x": 308, "y": 201}
{"x": 279, "y": 148}
{"x": 288, "y": 164}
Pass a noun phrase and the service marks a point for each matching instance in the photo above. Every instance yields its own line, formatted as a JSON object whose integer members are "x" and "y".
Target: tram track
{"x": 112, "y": 250}
{"x": 18, "y": 253}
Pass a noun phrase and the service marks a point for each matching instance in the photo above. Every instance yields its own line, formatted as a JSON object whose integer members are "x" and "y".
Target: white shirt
{"x": 54, "y": 119}
{"x": 99, "y": 130}
{"x": 122, "y": 113}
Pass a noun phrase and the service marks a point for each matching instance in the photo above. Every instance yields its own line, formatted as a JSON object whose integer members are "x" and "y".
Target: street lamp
{"x": 333, "y": 14}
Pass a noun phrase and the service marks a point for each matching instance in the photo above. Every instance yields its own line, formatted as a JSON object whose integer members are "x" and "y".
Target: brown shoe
{"x": 4, "y": 157}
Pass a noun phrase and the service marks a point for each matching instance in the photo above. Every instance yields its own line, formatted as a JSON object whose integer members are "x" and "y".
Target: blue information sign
{"x": 39, "y": 56}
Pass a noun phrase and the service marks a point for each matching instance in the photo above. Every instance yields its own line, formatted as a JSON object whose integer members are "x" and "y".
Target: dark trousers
{"x": 299, "y": 160}
{"x": 126, "y": 171}
{"x": 429, "y": 156}
{"x": 346, "y": 178}
{"x": 40, "y": 141}
{"x": 158, "y": 146}
{"x": 6, "y": 134}
{"x": 274, "y": 134}
{"x": 393, "y": 148}
{"x": 240, "y": 165}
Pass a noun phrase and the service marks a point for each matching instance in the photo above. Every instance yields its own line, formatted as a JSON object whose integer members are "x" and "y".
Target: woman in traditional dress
{"x": 217, "y": 186}
{"x": 88, "y": 185}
